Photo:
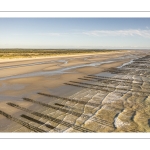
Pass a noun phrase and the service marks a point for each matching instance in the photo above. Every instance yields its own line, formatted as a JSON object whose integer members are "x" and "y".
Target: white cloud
{"x": 131, "y": 32}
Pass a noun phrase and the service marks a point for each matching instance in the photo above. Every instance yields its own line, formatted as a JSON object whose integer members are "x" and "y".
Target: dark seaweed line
{"x": 56, "y": 108}
{"x": 109, "y": 81}
{"x": 109, "y": 87}
{"x": 135, "y": 67}
{"x": 102, "y": 86}
{"x": 105, "y": 80}
{"x": 60, "y": 105}
{"x": 126, "y": 83}
{"x": 133, "y": 115}
{"x": 141, "y": 59}
{"x": 68, "y": 99}
{"x": 140, "y": 62}
{"x": 37, "y": 121}
{"x": 145, "y": 58}
{"x": 51, "y": 118}
{"x": 138, "y": 65}
{"x": 81, "y": 86}
{"x": 27, "y": 125}
{"x": 142, "y": 67}
{"x": 124, "y": 69}
{"x": 114, "y": 79}
{"x": 93, "y": 88}
{"x": 87, "y": 87}
{"x": 86, "y": 79}
{"x": 123, "y": 72}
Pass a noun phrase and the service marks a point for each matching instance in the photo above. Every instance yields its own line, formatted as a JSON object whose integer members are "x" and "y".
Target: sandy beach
{"x": 28, "y": 88}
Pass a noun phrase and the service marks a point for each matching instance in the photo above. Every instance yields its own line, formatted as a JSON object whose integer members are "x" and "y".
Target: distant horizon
{"x": 75, "y": 49}
{"x": 75, "y": 33}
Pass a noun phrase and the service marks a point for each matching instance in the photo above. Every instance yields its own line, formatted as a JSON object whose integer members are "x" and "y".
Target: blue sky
{"x": 75, "y": 33}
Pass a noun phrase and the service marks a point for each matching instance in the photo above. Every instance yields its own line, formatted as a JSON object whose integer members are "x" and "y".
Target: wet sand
{"x": 82, "y": 93}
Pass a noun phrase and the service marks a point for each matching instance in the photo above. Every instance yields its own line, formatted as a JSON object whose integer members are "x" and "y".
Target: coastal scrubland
{"x": 31, "y": 53}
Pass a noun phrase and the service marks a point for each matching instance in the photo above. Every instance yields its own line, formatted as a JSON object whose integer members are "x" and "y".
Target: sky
{"x": 86, "y": 33}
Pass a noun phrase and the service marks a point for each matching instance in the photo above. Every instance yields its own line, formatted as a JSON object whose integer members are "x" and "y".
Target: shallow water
{"x": 106, "y": 74}
{"x": 50, "y": 73}
{"x": 10, "y": 87}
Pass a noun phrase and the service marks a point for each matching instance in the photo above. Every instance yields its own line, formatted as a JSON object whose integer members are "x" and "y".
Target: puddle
{"x": 64, "y": 90}
{"x": 15, "y": 88}
{"x": 50, "y": 73}
{"x": 12, "y": 87}
{"x": 6, "y": 98}
{"x": 106, "y": 74}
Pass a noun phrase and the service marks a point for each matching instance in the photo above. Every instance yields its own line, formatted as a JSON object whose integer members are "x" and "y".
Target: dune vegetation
{"x": 29, "y": 53}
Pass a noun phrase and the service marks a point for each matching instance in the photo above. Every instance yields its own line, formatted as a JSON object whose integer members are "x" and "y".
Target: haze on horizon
{"x": 96, "y": 33}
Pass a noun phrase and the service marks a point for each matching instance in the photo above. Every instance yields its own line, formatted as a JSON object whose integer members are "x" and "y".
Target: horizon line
{"x": 79, "y": 48}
